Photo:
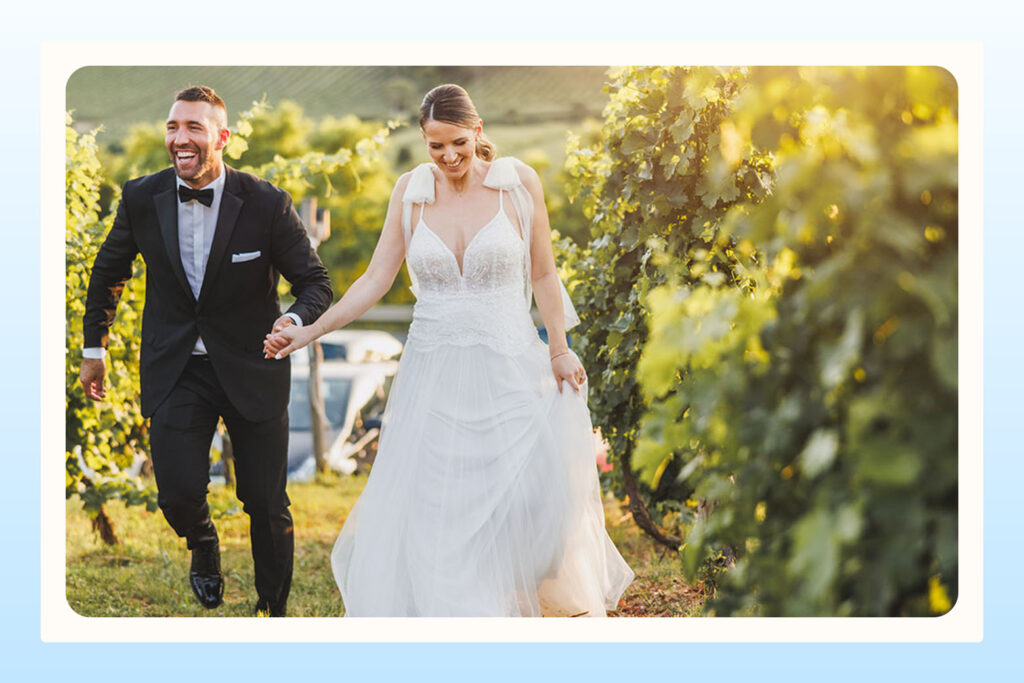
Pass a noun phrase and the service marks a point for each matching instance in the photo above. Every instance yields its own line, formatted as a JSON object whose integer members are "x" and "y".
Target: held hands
{"x": 91, "y": 376}
{"x": 279, "y": 325}
{"x": 287, "y": 339}
{"x": 568, "y": 368}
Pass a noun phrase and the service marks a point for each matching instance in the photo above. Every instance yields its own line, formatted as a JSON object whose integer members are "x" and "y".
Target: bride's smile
{"x": 452, "y": 149}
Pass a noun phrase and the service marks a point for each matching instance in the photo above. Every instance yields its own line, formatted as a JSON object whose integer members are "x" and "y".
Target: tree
{"x": 101, "y": 441}
{"x": 793, "y": 410}
{"x": 825, "y": 410}
{"x": 656, "y": 186}
{"x": 817, "y": 412}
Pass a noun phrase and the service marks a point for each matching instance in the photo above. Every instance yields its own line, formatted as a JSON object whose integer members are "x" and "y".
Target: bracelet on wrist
{"x": 562, "y": 353}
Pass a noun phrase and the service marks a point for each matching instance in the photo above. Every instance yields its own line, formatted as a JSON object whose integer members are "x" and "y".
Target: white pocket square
{"x": 245, "y": 256}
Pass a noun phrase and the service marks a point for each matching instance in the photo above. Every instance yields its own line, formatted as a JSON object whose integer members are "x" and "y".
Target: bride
{"x": 483, "y": 499}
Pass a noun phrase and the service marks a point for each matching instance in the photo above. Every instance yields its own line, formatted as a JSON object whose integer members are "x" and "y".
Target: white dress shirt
{"x": 196, "y": 225}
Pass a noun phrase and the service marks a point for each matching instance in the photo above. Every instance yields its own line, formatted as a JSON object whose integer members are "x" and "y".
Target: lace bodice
{"x": 493, "y": 258}
{"x": 481, "y": 303}
{"x": 488, "y": 300}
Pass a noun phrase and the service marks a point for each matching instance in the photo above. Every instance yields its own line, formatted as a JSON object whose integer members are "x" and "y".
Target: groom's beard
{"x": 202, "y": 165}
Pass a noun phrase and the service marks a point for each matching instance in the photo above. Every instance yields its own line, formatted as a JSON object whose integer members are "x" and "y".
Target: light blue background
{"x": 24, "y": 657}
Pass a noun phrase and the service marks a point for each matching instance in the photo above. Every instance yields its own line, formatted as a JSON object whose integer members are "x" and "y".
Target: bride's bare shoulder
{"x": 401, "y": 185}
{"x": 402, "y": 182}
{"x": 527, "y": 174}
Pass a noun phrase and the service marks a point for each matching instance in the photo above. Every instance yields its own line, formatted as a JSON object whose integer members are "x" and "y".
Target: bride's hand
{"x": 288, "y": 340}
{"x": 568, "y": 368}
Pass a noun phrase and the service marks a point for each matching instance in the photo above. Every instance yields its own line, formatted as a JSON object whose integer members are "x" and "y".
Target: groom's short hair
{"x": 202, "y": 93}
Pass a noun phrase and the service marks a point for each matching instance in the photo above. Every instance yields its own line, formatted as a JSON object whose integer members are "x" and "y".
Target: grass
{"x": 658, "y": 589}
{"x": 145, "y": 574}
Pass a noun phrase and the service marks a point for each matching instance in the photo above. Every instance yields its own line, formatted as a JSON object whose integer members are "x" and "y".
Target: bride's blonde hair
{"x": 450, "y": 103}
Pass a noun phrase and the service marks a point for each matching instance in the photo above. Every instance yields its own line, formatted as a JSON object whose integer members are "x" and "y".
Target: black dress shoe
{"x": 263, "y": 609}
{"x": 205, "y": 578}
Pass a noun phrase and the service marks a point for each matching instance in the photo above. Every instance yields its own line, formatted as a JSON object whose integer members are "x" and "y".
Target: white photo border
{"x": 964, "y": 623}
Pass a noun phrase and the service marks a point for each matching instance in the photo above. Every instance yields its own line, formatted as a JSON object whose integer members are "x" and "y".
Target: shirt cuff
{"x": 96, "y": 352}
{"x": 295, "y": 318}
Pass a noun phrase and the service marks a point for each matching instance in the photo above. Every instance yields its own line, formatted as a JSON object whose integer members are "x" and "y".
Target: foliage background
{"x": 765, "y": 264}
{"x": 770, "y": 290}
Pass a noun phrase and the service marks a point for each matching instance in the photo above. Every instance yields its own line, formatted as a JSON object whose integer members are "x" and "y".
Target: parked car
{"x": 354, "y": 395}
{"x": 355, "y": 346}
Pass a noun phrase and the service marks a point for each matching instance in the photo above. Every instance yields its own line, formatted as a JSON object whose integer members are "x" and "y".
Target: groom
{"x": 215, "y": 241}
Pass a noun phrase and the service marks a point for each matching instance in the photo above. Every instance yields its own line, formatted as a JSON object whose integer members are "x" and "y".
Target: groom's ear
{"x": 222, "y": 137}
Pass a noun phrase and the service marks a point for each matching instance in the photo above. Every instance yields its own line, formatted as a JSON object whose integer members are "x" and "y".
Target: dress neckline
{"x": 460, "y": 266}
{"x": 500, "y": 212}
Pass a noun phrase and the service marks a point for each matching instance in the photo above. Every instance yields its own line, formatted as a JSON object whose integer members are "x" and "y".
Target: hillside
{"x": 118, "y": 96}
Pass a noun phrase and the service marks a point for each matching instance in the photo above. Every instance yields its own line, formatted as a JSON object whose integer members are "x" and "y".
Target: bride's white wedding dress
{"x": 483, "y": 499}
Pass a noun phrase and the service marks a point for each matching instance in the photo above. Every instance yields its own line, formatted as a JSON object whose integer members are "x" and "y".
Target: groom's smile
{"x": 185, "y": 162}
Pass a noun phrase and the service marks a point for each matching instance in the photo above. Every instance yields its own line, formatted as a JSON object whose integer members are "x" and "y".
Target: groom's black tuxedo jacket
{"x": 238, "y": 302}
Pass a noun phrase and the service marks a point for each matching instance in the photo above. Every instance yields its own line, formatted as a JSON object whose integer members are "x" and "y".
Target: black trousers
{"x": 181, "y": 431}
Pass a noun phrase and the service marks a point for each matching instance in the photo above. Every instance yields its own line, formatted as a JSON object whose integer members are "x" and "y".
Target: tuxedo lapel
{"x": 167, "y": 215}
{"x": 227, "y": 217}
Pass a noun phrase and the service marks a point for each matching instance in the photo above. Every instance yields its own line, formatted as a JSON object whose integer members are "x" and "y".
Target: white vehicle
{"x": 354, "y": 396}
{"x": 355, "y": 373}
{"x": 354, "y": 346}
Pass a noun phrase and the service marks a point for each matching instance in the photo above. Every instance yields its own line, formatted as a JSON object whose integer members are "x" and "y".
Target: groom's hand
{"x": 91, "y": 376}
{"x": 281, "y": 323}
{"x": 284, "y": 321}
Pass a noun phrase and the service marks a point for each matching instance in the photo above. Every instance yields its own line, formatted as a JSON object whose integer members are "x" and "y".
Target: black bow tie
{"x": 186, "y": 194}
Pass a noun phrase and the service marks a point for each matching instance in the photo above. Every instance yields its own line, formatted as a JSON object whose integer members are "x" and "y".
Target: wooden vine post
{"x": 318, "y": 228}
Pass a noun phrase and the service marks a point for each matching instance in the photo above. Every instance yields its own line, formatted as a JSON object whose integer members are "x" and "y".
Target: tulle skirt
{"x": 483, "y": 499}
